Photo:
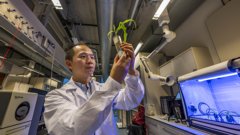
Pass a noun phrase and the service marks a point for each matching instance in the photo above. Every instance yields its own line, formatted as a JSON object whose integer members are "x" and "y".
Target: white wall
{"x": 194, "y": 32}
{"x": 224, "y": 29}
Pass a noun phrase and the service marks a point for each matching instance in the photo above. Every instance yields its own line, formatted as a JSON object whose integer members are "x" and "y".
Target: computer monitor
{"x": 178, "y": 96}
{"x": 65, "y": 80}
{"x": 167, "y": 104}
{"x": 178, "y": 107}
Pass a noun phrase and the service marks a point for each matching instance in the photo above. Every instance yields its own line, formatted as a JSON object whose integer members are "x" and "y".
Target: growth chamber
{"x": 211, "y": 97}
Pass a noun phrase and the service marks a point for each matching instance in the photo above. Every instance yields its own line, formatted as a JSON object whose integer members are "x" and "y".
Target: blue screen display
{"x": 178, "y": 96}
{"x": 215, "y": 100}
{"x": 65, "y": 80}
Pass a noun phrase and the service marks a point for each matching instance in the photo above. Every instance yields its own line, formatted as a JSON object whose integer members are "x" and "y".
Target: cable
{"x": 218, "y": 116}
{"x": 53, "y": 58}
{"x": 200, "y": 108}
{"x": 209, "y": 111}
{"x": 229, "y": 116}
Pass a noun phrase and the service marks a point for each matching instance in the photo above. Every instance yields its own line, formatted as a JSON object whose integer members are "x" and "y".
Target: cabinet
{"x": 188, "y": 61}
{"x": 155, "y": 127}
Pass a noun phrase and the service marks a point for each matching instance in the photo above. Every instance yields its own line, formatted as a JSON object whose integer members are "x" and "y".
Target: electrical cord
{"x": 218, "y": 116}
{"x": 212, "y": 112}
{"x": 200, "y": 108}
{"x": 229, "y": 116}
{"x": 192, "y": 108}
{"x": 209, "y": 111}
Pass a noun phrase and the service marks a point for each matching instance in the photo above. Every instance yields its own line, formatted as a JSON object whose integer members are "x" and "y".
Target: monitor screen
{"x": 167, "y": 104}
{"x": 65, "y": 80}
{"x": 178, "y": 96}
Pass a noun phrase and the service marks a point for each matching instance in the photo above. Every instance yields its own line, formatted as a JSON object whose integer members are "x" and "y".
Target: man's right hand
{"x": 120, "y": 67}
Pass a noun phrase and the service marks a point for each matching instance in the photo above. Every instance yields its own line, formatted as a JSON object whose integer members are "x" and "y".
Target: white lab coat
{"x": 69, "y": 112}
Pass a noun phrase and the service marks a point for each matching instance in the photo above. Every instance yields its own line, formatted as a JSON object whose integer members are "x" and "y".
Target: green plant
{"x": 121, "y": 26}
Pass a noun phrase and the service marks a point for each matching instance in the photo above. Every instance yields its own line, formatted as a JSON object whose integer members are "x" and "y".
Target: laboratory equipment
{"x": 16, "y": 112}
{"x": 168, "y": 35}
{"x": 38, "y": 111}
{"x": 211, "y": 97}
{"x": 167, "y": 103}
{"x": 117, "y": 42}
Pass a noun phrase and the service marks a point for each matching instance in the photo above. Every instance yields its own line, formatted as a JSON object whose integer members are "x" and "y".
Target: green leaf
{"x": 121, "y": 26}
{"x": 112, "y": 31}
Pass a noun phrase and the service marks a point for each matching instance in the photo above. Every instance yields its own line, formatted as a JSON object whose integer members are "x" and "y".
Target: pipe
{"x": 169, "y": 80}
{"x": 168, "y": 35}
{"x": 133, "y": 11}
{"x": 105, "y": 16}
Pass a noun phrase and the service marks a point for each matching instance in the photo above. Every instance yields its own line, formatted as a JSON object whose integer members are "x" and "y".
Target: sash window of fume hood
{"x": 210, "y": 97}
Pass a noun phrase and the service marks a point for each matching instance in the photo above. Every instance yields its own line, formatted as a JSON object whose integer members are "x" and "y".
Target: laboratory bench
{"x": 158, "y": 126}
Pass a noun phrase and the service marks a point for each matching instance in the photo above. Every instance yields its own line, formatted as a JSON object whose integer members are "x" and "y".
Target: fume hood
{"x": 211, "y": 97}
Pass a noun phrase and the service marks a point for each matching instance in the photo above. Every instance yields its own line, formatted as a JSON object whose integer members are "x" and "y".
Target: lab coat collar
{"x": 72, "y": 86}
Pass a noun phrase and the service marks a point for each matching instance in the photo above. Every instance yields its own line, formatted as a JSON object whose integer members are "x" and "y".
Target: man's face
{"x": 83, "y": 62}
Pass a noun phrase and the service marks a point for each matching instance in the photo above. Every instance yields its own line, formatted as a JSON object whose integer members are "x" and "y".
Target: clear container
{"x": 150, "y": 109}
{"x": 117, "y": 42}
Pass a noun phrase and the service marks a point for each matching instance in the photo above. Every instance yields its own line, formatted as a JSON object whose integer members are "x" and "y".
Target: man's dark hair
{"x": 70, "y": 50}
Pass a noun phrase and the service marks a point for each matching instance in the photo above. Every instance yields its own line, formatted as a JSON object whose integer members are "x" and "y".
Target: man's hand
{"x": 129, "y": 50}
{"x": 120, "y": 67}
{"x": 124, "y": 64}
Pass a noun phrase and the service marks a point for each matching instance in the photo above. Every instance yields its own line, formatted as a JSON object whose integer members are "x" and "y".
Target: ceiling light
{"x": 138, "y": 48}
{"x": 57, "y": 4}
{"x": 33, "y": 70}
{"x": 160, "y": 9}
{"x": 1, "y": 57}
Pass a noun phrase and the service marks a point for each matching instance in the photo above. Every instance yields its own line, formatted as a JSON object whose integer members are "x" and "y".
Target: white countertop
{"x": 179, "y": 125}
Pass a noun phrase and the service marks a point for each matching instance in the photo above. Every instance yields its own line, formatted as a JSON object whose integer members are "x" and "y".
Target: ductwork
{"x": 179, "y": 11}
{"x": 105, "y": 16}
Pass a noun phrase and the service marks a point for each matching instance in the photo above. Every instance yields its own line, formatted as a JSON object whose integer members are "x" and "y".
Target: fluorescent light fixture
{"x": 33, "y": 70}
{"x": 216, "y": 77}
{"x": 138, "y": 48}
{"x": 57, "y": 4}
{"x": 161, "y": 8}
{"x": 25, "y": 76}
{"x": 1, "y": 57}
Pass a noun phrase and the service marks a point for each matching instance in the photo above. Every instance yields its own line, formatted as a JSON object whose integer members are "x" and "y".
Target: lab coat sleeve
{"x": 131, "y": 96}
{"x": 64, "y": 118}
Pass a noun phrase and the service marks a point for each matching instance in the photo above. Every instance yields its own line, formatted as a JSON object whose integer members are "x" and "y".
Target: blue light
{"x": 65, "y": 80}
{"x": 216, "y": 77}
{"x": 220, "y": 98}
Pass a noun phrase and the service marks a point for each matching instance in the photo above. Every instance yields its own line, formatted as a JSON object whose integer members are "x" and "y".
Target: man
{"x": 84, "y": 106}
